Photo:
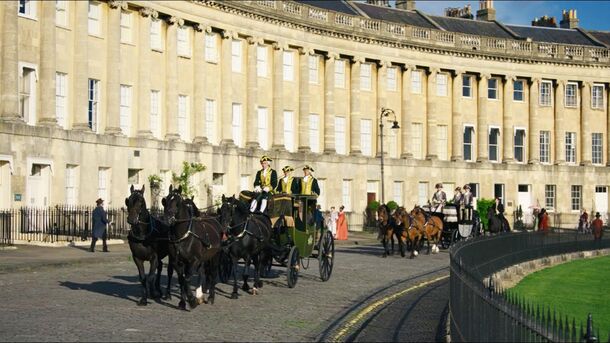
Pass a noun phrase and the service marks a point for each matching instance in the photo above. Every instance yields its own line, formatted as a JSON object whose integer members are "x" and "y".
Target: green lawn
{"x": 573, "y": 289}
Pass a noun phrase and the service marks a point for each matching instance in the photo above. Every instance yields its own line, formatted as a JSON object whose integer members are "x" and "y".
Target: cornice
{"x": 245, "y": 9}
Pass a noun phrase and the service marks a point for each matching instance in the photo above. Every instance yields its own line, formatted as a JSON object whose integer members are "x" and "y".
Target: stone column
{"x": 198, "y": 83}
{"x": 533, "y": 134}
{"x": 457, "y": 135}
{"x": 144, "y": 66}
{"x": 48, "y": 116}
{"x": 431, "y": 117}
{"x": 584, "y": 149}
{"x": 113, "y": 68}
{"x": 226, "y": 90}
{"x": 171, "y": 79}
{"x": 252, "y": 93}
{"x": 329, "y": 103}
{"x": 407, "y": 112}
{"x": 382, "y": 101}
{"x": 482, "y": 124}
{"x": 278, "y": 97}
{"x": 355, "y": 106}
{"x": 10, "y": 55}
{"x": 560, "y": 130}
{"x": 304, "y": 99}
{"x": 507, "y": 120}
{"x": 79, "y": 86}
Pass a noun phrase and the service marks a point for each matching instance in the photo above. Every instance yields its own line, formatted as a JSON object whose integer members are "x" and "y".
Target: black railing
{"x": 481, "y": 313}
{"x": 61, "y": 223}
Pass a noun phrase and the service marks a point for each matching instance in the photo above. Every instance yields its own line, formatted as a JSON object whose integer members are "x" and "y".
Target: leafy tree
{"x": 155, "y": 181}
{"x": 184, "y": 178}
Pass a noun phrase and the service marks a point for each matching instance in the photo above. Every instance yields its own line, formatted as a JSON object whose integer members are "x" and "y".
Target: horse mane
{"x": 240, "y": 205}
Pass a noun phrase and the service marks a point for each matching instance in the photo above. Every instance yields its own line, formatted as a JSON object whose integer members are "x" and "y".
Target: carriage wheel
{"x": 326, "y": 256}
{"x": 455, "y": 236}
{"x": 292, "y": 267}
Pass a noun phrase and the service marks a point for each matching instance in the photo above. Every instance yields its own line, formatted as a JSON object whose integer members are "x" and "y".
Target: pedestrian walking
{"x": 543, "y": 221}
{"x": 332, "y": 221}
{"x": 99, "y": 220}
{"x": 342, "y": 225}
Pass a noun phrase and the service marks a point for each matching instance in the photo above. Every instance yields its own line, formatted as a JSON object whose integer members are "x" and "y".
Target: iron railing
{"x": 482, "y": 313}
{"x": 61, "y": 223}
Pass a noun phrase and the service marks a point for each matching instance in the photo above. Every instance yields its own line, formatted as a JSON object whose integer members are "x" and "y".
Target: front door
{"x": 524, "y": 199}
{"x": 39, "y": 185}
{"x": 5, "y": 185}
{"x": 601, "y": 202}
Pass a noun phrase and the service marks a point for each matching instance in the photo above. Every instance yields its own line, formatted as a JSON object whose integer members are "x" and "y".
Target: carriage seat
{"x": 289, "y": 221}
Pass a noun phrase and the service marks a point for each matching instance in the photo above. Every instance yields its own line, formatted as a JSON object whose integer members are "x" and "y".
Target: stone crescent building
{"x": 96, "y": 96}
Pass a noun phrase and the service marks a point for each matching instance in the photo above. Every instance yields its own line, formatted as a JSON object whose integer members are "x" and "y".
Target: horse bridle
{"x": 190, "y": 220}
{"x": 138, "y": 222}
{"x": 245, "y": 230}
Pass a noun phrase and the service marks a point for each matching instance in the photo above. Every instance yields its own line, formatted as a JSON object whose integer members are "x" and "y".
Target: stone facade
{"x": 231, "y": 81}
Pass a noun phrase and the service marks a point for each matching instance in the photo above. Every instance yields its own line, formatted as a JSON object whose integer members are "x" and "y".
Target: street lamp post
{"x": 385, "y": 112}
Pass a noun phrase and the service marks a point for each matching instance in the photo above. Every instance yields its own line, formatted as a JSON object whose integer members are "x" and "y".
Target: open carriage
{"x": 297, "y": 240}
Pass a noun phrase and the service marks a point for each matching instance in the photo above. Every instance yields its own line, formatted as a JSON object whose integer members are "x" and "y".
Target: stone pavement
{"x": 30, "y": 257}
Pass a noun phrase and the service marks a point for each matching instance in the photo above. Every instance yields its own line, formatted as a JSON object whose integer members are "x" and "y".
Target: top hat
{"x": 597, "y": 215}
{"x": 99, "y": 201}
{"x": 308, "y": 167}
{"x": 266, "y": 158}
{"x": 439, "y": 185}
{"x": 287, "y": 169}
{"x": 458, "y": 188}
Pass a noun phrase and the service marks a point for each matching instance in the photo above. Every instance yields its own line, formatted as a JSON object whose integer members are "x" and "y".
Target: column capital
{"x": 255, "y": 40}
{"x": 332, "y": 56}
{"x": 175, "y": 20}
{"x": 484, "y": 76}
{"x": 509, "y": 78}
{"x": 561, "y": 82}
{"x": 534, "y": 81}
{"x": 384, "y": 63}
{"x": 433, "y": 71}
{"x": 115, "y": 4}
{"x": 148, "y": 12}
{"x": 199, "y": 27}
{"x": 304, "y": 50}
{"x": 584, "y": 84}
{"x": 227, "y": 34}
{"x": 408, "y": 67}
{"x": 279, "y": 46}
{"x": 358, "y": 59}
{"x": 457, "y": 72}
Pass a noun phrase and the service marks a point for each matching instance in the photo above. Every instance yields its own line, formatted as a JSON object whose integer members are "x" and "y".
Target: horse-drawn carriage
{"x": 297, "y": 238}
{"x": 455, "y": 227}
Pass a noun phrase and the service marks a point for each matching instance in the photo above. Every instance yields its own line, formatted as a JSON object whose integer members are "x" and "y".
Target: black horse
{"x": 194, "y": 245}
{"x": 148, "y": 241}
{"x": 249, "y": 237}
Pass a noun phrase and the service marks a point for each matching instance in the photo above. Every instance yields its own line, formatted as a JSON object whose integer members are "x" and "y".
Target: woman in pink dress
{"x": 342, "y": 225}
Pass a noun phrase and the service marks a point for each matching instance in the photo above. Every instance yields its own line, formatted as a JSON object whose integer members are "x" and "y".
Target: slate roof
{"x": 466, "y": 26}
{"x": 552, "y": 35}
{"x": 602, "y": 36}
{"x": 394, "y": 15}
{"x": 331, "y": 5}
{"x": 471, "y": 27}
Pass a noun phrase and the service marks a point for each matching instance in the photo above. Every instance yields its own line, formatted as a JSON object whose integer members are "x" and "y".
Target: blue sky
{"x": 593, "y": 15}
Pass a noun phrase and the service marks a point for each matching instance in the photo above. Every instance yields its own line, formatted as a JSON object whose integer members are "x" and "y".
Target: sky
{"x": 593, "y": 15}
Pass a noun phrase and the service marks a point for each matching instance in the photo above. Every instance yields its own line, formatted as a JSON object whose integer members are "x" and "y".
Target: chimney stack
{"x": 486, "y": 10}
{"x": 382, "y": 3}
{"x": 545, "y": 21}
{"x": 456, "y": 12}
{"x": 569, "y": 20}
{"x": 405, "y": 5}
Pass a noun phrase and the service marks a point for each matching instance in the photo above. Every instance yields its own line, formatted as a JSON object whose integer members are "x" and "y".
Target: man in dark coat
{"x": 287, "y": 183}
{"x": 99, "y": 220}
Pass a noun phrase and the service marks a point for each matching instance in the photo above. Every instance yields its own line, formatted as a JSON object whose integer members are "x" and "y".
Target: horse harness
{"x": 190, "y": 232}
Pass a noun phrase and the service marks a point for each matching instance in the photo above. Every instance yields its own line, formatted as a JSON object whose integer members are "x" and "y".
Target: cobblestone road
{"x": 97, "y": 302}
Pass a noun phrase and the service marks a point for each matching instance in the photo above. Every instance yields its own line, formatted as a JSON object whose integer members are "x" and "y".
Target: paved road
{"x": 97, "y": 302}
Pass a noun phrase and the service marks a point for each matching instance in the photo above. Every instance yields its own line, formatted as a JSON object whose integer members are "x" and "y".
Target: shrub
{"x": 184, "y": 178}
{"x": 373, "y": 206}
{"x": 483, "y": 205}
{"x": 392, "y": 205}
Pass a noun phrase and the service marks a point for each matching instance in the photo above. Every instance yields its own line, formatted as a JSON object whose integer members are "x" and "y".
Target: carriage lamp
{"x": 385, "y": 112}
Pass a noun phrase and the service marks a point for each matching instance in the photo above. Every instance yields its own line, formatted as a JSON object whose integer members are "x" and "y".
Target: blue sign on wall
{"x": 17, "y": 197}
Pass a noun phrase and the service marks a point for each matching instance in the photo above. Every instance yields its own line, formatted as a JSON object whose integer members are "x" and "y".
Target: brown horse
{"x": 411, "y": 229}
{"x": 388, "y": 228}
{"x": 432, "y": 227}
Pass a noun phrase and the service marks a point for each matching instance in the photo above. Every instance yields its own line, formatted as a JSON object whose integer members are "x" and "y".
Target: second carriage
{"x": 455, "y": 227}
